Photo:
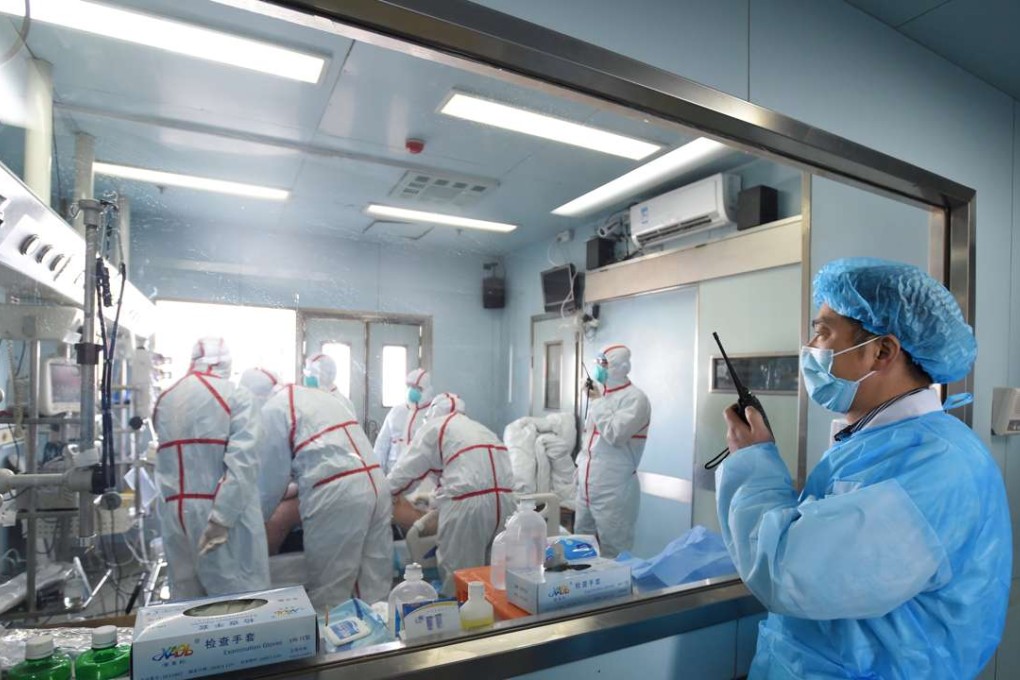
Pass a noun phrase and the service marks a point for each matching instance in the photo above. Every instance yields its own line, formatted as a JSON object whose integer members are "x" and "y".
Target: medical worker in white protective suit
{"x": 475, "y": 494}
{"x": 343, "y": 497}
{"x": 404, "y": 420}
{"x": 608, "y": 494}
{"x": 895, "y": 559}
{"x": 207, "y": 469}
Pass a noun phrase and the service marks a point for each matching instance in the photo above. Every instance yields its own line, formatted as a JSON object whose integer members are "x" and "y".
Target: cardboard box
{"x": 503, "y": 610}
{"x": 603, "y": 580}
{"x": 190, "y": 639}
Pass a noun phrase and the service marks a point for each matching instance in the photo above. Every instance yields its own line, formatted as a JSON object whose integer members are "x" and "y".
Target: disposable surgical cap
{"x": 893, "y": 298}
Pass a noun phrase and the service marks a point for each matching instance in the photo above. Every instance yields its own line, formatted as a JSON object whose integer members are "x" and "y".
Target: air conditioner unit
{"x": 706, "y": 204}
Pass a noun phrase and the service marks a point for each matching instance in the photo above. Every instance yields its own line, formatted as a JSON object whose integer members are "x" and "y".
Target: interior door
{"x": 394, "y": 350}
{"x": 346, "y": 341}
{"x": 554, "y": 383}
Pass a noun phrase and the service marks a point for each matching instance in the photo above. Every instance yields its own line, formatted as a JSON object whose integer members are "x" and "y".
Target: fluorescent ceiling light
{"x": 648, "y": 175}
{"x": 173, "y": 36}
{"x": 405, "y": 215}
{"x": 189, "y": 181}
{"x": 540, "y": 125}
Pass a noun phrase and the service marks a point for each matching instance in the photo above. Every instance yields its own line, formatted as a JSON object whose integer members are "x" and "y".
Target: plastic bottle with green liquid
{"x": 106, "y": 660}
{"x": 42, "y": 662}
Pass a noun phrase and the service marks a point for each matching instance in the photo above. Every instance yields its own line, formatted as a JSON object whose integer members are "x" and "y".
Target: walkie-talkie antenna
{"x": 739, "y": 386}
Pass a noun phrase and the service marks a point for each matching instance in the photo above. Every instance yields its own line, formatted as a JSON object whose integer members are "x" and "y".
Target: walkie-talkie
{"x": 744, "y": 399}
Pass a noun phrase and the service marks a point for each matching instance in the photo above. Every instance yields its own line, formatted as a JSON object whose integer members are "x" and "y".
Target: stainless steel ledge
{"x": 537, "y": 642}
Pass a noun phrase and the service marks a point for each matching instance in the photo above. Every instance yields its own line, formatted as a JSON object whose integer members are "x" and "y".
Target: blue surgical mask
{"x": 311, "y": 381}
{"x": 825, "y": 389}
{"x": 413, "y": 395}
{"x": 601, "y": 373}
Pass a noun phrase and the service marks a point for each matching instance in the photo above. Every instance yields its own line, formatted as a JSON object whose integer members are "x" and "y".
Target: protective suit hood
{"x": 261, "y": 382}
{"x": 210, "y": 355}
{"x": 422, "y": 380}
{"x": 618, "y": 357}
{"x": 445, "y": 404}
{"x": 323, "y": 368}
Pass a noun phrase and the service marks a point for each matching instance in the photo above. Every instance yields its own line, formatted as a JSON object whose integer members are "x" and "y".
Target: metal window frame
{"x": 482, "y": 40}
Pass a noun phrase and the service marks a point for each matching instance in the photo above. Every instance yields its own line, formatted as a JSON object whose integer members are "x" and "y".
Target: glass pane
{"x": 181, "y": 324}
{"x": 553, "y": 371}
{"x": 394, "y": 368}
{"x": 341, "y": 354}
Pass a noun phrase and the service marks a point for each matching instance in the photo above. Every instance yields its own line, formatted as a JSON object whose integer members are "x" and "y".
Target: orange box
{"x": 497, "y": 598}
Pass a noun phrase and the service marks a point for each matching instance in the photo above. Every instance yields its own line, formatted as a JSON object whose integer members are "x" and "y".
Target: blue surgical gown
{"x": 894, "y": 561}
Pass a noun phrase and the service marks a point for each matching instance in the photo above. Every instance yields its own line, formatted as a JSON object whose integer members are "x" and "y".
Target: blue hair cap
{"x": 894, "y": 298}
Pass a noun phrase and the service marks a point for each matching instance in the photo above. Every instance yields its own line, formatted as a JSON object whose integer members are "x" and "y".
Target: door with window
{"x": 554, "y": 383}
{"x": 373, "y": 355}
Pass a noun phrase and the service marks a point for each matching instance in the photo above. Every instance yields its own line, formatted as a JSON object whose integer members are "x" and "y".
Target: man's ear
{"x": 888, "y": 349}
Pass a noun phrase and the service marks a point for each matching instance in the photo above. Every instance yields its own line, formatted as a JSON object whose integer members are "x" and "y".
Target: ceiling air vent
{"x": 441, "y": 189}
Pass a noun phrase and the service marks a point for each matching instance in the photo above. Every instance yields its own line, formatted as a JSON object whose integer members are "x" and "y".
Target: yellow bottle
{"x": 476, "y": 612}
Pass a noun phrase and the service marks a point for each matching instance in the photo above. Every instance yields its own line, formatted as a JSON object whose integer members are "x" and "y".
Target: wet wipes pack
{"x": 347, "y": 631}
{"x": 353, "y": 625}
{"x": 214, "y": 635}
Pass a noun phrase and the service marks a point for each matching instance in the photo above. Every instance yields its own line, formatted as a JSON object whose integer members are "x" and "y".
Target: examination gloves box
{"x": 580, "y": 583}
{"x": 215, "y": 635}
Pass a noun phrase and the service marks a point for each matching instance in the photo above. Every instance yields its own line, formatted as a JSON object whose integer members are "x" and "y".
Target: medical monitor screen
{"x": 561, "y": 288}
{"x": 65, "y": 383}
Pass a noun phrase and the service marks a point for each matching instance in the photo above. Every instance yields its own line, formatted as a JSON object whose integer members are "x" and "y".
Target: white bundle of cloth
{"x": 540, "y": 454}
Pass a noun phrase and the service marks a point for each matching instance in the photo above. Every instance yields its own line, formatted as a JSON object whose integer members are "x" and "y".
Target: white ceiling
{"x": 336, "y": 145}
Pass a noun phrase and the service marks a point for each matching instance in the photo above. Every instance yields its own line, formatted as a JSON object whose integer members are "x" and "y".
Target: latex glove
{"x": 214, "y": 536}
{"x": 428, "y": 524}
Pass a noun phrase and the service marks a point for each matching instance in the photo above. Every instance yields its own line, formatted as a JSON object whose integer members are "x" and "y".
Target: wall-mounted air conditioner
{"x": 706, "y": 204}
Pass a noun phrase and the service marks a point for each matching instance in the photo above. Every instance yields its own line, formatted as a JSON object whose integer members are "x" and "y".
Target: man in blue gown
{"x": 895, "y": 559}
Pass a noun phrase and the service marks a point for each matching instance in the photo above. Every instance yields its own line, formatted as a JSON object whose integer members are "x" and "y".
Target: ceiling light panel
{"x": 189, "y": 181}
{"x": 488, "y": 112}
{"x": 405, "y": 215}
{"x": 173, "y": 36}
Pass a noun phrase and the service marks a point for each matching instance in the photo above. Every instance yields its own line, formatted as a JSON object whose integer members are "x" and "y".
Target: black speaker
{"x": 493, "y": 292}
{"x": 601, "y": 251}
{"x": 757, "y": 205}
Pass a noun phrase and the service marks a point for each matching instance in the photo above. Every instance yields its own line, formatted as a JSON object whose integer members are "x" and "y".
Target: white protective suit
{"x": 262, "y": 383}
{"x": 206, "y": 469}
{"x": 475, "y": 479}
{"x": 342, "y": 494}
{"x": 403, "y": 421}
{"x": 608, "y": 493}
{"x": 540, "y": 453}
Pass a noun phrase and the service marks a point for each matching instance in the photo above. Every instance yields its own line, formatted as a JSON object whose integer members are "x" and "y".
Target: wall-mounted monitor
{"x": 562, "y": 289}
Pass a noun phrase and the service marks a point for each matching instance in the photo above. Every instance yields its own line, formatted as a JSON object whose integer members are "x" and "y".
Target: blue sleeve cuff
{"x": 756, "y": 462}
